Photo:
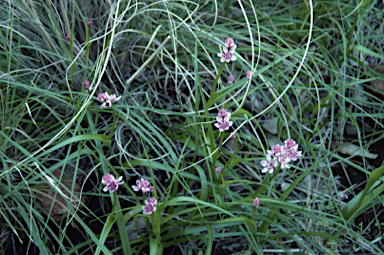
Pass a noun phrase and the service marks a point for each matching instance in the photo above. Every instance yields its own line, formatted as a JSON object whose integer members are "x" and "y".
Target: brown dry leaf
{"x": 377, "y": 84}
{"x": 60, "y": 205}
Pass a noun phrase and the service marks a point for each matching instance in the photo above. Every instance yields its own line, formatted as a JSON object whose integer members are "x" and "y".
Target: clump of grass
{"x": 309, "y": 63}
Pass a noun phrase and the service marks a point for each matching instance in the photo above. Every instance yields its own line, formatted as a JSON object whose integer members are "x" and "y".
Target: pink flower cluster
{"x": 256, "y": 202}
{"x": 231, "y": 79}
{"x": 111, "y": 182}
{"x": 89, "y": 23}
{"x": 142, "y": 185}
{"x": 86, "y": 84}
{"x": 223, "y": 122}
{"x": 281, "y": 154}
{"x": 150, "y": 205}
{"x": 229, "y": 50}
{"x": 108, "y": 98}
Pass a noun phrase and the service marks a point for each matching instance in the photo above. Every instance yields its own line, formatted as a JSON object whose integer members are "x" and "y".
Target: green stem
{"x": 227, "y": 10}
{"x": 253, "y": 213}
{"x": 217, "y": 79}
{"x": 114, "y": 202}
{"x": 217, "y": 154}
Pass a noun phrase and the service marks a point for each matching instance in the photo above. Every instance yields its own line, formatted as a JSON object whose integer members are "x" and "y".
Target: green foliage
{"x": 310, "y": 83}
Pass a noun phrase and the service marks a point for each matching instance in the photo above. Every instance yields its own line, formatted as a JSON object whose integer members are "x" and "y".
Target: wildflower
{"x": 107, "y": 179}
{"x": 218, "y": 169}
{"x": 142, "y": 185}
{"x": 102, "y": 96}
{"x": 269, "y": 164}
{"x": 226, "y": 56}
{"x": 256, "y": 202}
{"x": 276, "y": 151}
{"x": 222, "y": 113}
{"x": 108, "y": 99}
{"x": 89, "y": 23}
{"x": 130, "y": 213}
{"x": 86, "y": 84}
{"x": 233, "y": 135}
{"x": 249, "y": 75}
{"x": 112, "y": 184}
{"x": 68, "y": 37}
{"x": 230, "y": 44}
{"x": 284, "y": 160}
{"x": 290, "y": 149}
{"x": 223, "y": 123}
{"x": 231, "y": 79}
{"x": 150, "y": 205}
{"x": 281, "y": 154}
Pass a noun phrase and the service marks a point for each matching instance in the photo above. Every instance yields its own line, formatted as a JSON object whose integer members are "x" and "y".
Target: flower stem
{"x": 217, "y": 155}
{"x": 253, "y": 213}
{"x": 217, "y": 79}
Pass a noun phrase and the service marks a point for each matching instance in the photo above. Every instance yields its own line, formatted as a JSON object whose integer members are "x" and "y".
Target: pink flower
{"x": 137, "y": 187}
{"x": 130, "y": 213}
{"x": 222, "y": 113}
{"x": 111, "y": 182}
{"x": 152, "y": 201}
{"x": 231, "y": 79}
{"x": 233, "y": 135}
{"x": 142, "y": 185}
{"x": 294, "y": 155}
{"x": 289, "y": 143}
{"x": 229, "y": 43}
{"x": 68, "y": 37}
{"x": 282, "y": 154}
{"x": 256, "y": 202}
{"x": 108, "y": 99}
{"x": 102, "y": 96}
{"x": 86, "y": 84}
{"x": 276, "y": 151}
{"x": 218, "y": 169}
{"x": 249, "y": 75}
{"x": 107, "y": 179}
{"x": 269, "y": 164}
{"x": 290, "y": 149}
{"x": 145, "y": 185}
{"x": 223, "y": 123}
{"x": 226, "y": 56}
{"x": 284, "y": 160}
{"x": 89, "y": 23}
{"x": 150, "y": 205}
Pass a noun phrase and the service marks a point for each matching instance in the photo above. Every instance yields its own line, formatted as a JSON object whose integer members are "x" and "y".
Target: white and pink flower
{"x": 112, "y": 184}
{"x": 281, "y": 154}
{"x": 223, "y": 124}
{"x": 269, "y": 164}
{"x": 226, "y": 56}
{"x": 150, "y": 205}
{"x": 108, "y": 98}
{"x": 142, "y": 185}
